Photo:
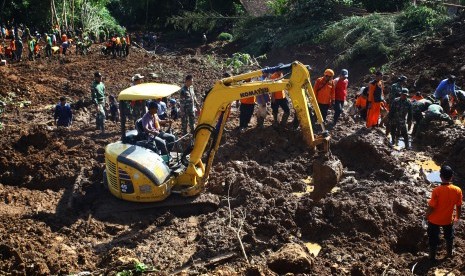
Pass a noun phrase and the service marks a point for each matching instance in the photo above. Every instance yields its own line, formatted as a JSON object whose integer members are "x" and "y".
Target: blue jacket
{"x": 63, "y": 114}
{"x": 445, "y": 89}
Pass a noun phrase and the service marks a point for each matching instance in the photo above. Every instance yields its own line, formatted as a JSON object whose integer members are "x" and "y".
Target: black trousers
{"x": 433, "y": 234}
{"x": 246, "y": 112}
{"x": 324, "y": 110}
{"x": 283, "y": 103}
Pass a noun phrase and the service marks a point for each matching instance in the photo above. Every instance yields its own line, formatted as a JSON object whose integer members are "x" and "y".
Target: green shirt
{"x": 435, "y": 109}
{"x": 31, "y": 45}
{"x": 98, "y": 92}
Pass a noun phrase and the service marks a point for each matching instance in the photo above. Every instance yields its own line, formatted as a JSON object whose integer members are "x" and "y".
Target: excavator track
{"x": 108, "y": 205}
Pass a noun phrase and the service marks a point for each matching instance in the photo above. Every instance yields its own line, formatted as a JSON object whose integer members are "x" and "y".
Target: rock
{"x": 401, "y": 206}
{"x": 326, "y": 175}
{"x": 290, "y": 258}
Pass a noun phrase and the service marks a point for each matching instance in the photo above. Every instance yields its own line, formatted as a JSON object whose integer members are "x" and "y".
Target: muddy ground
{"x": 369, "y": 224}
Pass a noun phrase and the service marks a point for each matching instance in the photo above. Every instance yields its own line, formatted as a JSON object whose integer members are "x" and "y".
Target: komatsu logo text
{"x": 254, "y": 92}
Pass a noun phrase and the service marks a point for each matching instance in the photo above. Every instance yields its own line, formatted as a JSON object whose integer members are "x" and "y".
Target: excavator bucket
{"x": 327, "y": 172}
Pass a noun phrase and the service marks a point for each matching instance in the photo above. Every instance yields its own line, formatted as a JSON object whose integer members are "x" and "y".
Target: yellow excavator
{"x": 139, "y": 174}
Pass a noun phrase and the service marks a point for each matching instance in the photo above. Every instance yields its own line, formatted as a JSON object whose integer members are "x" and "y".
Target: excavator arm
{"x": 217, "y": 106}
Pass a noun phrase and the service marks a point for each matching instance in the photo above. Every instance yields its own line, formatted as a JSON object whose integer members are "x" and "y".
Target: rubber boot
{"x": 275, "y": 118}
{"x": 284, "y": 119}
{"x": 260, "y": 122}
{"x": 407, "y": 144}
{"x": 450, "y": 249}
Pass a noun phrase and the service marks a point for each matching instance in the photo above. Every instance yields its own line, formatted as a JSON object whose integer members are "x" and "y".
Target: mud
{"x": 368, "y": 222}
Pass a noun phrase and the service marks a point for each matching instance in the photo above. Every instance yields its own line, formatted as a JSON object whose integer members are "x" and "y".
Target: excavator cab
{"x": 135, "y": 170}
{"x": 139, "y": 174}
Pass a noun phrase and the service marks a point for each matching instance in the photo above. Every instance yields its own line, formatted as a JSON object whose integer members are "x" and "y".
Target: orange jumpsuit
{"x": 375, "y": 99}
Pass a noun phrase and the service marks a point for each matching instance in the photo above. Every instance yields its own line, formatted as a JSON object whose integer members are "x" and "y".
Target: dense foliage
{"x": 288, "y": 22}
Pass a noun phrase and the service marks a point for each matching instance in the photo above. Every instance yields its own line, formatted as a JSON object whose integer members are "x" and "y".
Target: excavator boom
{"x": 217, "y": 104}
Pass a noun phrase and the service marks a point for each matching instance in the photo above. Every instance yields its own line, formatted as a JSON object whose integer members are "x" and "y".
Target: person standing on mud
{"x": 246, "y": 110}
{"x": 396, "y": 88}
{"x": 400, "y": 108}
{"x": 63, "y": 114}
{"x": 324, "y": 91}
{"x": 445, "y": 88}
{"x": 278, "y": 99}
{"x": 440, "y": 212}
{"x": 138, "y": 107}
{"x": 375, "y": 99}
{"x": 48, "y": 46}
{"x": 341, "y": 83}
{"x": 188, "y": 103}
{"x": 361, "y": 103}
{"x": 19, "y": 49}
{"x": 262, "y": 103}
{"x": 31, "y": 44}
{"x": 98, "y": 98}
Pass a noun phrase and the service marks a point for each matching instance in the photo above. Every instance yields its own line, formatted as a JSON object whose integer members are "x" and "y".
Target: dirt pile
{"x": 369, "y": 223}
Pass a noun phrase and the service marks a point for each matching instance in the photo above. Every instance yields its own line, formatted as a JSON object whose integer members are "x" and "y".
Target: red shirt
{"x": 341, "y": 89}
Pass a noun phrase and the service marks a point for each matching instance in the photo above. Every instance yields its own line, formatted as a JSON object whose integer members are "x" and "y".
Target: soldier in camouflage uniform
{"x": 188, "y": 103}
{"x": 139, "y": 106}
{"x": 418, "y": 107}
{"x": 396, "y": 89}
{"x": 99, "y": 99}
{"x": 400, "y": 108}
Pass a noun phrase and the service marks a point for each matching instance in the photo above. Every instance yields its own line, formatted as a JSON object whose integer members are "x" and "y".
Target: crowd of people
{"x": 17, "y": 38}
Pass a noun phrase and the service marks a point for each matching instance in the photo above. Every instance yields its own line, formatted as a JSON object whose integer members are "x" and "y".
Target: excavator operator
{"x": 151, "y": 124}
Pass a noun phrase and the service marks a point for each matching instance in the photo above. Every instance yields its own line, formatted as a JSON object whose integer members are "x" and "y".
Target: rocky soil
{"x": 269, "y": 221}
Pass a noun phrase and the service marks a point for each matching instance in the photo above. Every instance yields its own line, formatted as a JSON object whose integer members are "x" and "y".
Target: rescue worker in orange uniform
{"x": 246, "y": 111}
{"x": 361, "y": 103}
{"x": 325, "y": 91}
{"x": 118, "y": 46}
{"x": 375, "y": 100}
{"x": 113, "y": 46}
{"x": 440, "y": 213}
{"x": 416, "y": 97}
{"x": 13, "y": 49}
{"x": 128, "y": 44}
{"x": 278, "y": 99}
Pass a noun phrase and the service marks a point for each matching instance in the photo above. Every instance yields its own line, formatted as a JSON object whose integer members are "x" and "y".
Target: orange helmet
{"x": 329, "y": 72}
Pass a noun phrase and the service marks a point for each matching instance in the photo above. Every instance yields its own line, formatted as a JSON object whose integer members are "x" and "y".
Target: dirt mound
{"x": 366, "y": 151}
{"x": 37, "y": 138}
